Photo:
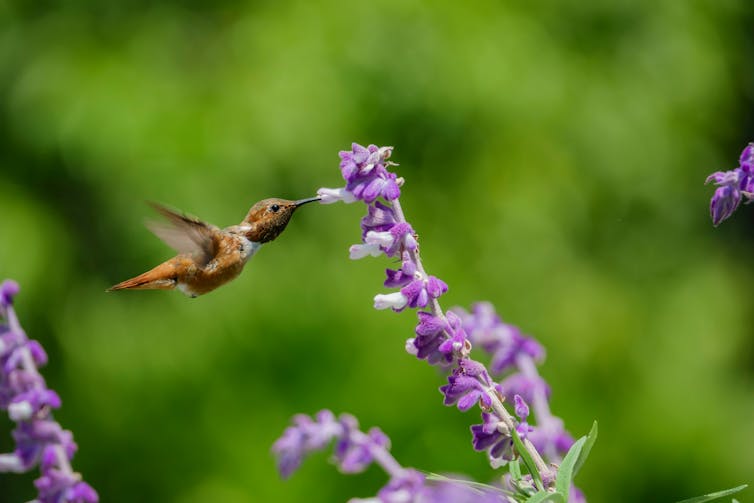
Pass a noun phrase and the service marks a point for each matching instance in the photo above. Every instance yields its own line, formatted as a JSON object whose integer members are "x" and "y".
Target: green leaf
{"x": 566, "y": 470}
{"x": 471, "y": 484}
{"x": 514, "y": 467}
{"x": 542, "y": 496}
{"x": 528, "y": 461}
{"x": 715, "y": 496}
{"x": 590, "y": 439}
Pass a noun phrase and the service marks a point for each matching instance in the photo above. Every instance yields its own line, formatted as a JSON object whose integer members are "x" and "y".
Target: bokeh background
{"x": 554, "y": 157}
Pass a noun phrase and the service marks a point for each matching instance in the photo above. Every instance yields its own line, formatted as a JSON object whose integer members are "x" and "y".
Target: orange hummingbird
{"x": 209, "y": 256}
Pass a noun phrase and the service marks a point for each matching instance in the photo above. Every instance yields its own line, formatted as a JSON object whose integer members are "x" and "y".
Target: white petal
{"x": 394, "y": 300}
{"x": 360, "y": 251}
{"x": 20, "y": 411}
{"x": 329, "y": 196}
{"x": 384, "y": 239}
{"x": 10, "y": 463}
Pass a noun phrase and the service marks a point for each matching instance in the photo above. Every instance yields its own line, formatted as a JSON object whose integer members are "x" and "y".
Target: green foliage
{"x": 716, "y": 495}
{"x": 554, "y": 156}
{"x": 591, "y": 438}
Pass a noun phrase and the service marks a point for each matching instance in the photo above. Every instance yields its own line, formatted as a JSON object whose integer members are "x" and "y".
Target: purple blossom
{"x": 305, "y": 436}
{"x": 412, "y": 487}
{"x": 367, "y": 178}
{"x": 403, "y": 276}
{"x": 493, "y": 436}
{"x": 457, "y": 345}
{"x": 731, "y": 186}
{"x": 39, "y": 439}
{"x": 430, "y": 333}
{"x": 354, "y": 451}
{"x": 420, "y": 291}
{"x": 504, "y": 341}
{"x": 522, "y": 411}
{"x": 445, "y": 339}
{"x": 468, "y": 385}
{"x": 379, "y": 218}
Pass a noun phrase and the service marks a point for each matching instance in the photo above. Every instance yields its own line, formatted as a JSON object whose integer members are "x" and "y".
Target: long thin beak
{"x": 301, "y": 202}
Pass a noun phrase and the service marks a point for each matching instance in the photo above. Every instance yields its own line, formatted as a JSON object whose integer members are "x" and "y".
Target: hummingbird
{"x": 209, "y": 257}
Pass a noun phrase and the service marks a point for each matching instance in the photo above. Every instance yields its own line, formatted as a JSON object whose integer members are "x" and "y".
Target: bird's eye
{"x": 274, "y": 208}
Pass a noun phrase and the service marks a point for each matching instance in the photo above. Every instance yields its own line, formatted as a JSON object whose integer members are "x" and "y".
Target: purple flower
{"x": 8, "y": 290}
{"x": 420, "y": 291}
{"x": 305, "y": 436}
{"x": 493, "y": 436}
{"x": 430, "y": 334}
{"x": 408, "y": 486}
{"x": 398, "y": 238}
{"x": 731, "y": 186}
{"x": 457, "y": 345}
{"x": 467, "y": 385}
{"x": 402, "y": 276}
{"x": 505, "y": 342}
{"x": 520, "y": 384}
{"x": 379, "y": 184}
{"x": 412, "y": 487}
{"x": 522, "y": 411}
{"x": 746, "y": 161}
{"x": 354, "y": 451}
{"x": 379, "y": 218}
{"x": 365, "y": 173}
{"x": 24, "y": 394}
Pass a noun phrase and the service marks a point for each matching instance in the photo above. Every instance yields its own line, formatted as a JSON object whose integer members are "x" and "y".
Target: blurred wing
{"x": 186, "y": 234}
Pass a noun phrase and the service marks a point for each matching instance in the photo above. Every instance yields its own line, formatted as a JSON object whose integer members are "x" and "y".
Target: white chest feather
{"x": 249, "y": 248}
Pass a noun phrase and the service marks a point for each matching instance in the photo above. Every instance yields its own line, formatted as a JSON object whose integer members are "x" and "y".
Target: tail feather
{"x": 161, "y": 277}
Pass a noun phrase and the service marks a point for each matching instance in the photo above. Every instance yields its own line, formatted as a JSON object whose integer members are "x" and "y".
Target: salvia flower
{"x": 517, "y": 354}
{"x": 40, "y": 440}
{"x": 441, "y": 338}
{"x": 732, "y": 186}
{"x": 356, "y": 450}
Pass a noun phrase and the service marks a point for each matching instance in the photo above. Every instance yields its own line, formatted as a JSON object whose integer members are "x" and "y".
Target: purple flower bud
{"x": 494, "y": 437}
{"x": 522, "y": 410}
{"x": 380, "y": 218}
{"x": 419, "y": 292}
{"x": 305, "y": 436}
{"x": 8, "y": 290}
{"x": 38, "y": 353}
{"x": 732, "y": 186}
{"x": 402, "y": 276}
{"x": 724, "y": 202}
{"x": 466, "y": 386}
{"x": 351, "y": 162}
{"x": 746, "y": 161}
{"x": 457, "y": 345}
{"x": 429, "y": 336}
{"x": 354, "y": 450}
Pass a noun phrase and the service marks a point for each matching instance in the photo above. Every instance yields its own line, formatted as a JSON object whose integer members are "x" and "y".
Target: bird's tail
{"x": 161, "y": 277}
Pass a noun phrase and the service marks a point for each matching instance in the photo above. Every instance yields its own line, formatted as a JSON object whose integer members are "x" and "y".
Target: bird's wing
{"x": 186, "y": 234}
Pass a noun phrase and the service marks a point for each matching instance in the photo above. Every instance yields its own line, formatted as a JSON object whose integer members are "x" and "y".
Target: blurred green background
{"x": 554, "y": 157}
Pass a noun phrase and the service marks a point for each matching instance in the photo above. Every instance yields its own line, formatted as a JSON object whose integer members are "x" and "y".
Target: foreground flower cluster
{"x": 40, "y": 441}
{"x": 732, "y": 186}
{"x": 445, "y": 339}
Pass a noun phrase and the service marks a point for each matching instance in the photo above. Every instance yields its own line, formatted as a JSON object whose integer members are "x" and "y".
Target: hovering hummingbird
{"x": 209, "y": 256}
